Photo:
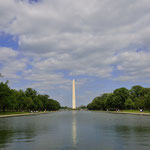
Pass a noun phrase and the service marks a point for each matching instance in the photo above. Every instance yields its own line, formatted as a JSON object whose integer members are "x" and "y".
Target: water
{"x": 75, "y": 130}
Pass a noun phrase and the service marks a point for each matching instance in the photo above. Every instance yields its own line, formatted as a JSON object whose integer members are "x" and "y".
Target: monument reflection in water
{"x": 74, "y": 128}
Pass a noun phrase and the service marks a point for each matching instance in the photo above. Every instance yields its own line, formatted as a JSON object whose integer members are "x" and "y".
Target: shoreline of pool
{"x": 130, "y": 113}
{"x": 24, "y": 114}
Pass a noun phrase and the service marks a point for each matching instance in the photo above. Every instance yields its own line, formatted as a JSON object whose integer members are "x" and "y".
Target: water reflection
{"x": 5, "y": 137}
{"x": 9, "y": 136}
{"x": 74, "y": 128}
{"x": 11, "y": 130}
{"x": 123, "y": 129}
{"x": 134, "y": 135}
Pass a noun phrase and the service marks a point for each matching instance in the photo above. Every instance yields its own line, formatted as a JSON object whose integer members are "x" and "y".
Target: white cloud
{"x": 68, "y": 35}
{"x": 10, "y": 63}
{"x": 81, "y": 37}
{"x": 7, "y": 53}
{"x": 134, "y": 66}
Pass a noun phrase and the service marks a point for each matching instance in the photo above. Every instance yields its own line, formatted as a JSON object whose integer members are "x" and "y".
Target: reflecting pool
{"x": 75, "y": 130}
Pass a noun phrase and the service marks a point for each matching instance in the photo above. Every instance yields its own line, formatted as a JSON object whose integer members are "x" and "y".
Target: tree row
{"x": 137, "y": 97}
{"x": 28, "y": 100}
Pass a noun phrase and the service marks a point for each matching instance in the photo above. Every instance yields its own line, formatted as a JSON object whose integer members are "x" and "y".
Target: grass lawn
{"x": 135, "y": 111}
{"x": 11, "y": 113}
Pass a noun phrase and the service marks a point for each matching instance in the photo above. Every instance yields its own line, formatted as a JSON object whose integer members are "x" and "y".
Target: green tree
{"x": 147, "y": 100}
{"x": 53, "y": 105}
{"x": 129, "y": 104}
{"x": 110, "y": 103}
{"x": 44, "y": 99}
{"x": 120, "y": 96}
{"x": 90, "y": 106}
{"x": 38, "y": 103}
{"x": 99, "y": 103}
{"x": 140, "y": 102}
{"x": 146, "y": 91}
{"x": 5, "y": 93}
{"x": 136, "y": 91}
{"x": 20, "y": 96}
{"x": 29, "y": 92}
{"x": 13, "y": 100}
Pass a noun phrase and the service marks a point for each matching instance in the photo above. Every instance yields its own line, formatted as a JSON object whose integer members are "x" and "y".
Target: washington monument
{"x": 73, "y": 95}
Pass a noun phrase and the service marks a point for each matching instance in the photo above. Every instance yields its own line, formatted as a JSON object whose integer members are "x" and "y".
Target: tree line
{"x": 137, "y": 97}
{"x": 28, "y": 100}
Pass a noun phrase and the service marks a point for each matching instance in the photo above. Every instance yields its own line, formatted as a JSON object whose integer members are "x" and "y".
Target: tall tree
{"x": 120, "y": 96}
{"x": 13, "y": 100}
{"x": 136, "y": 91}
{"x": 129, "y": 104}
{"x": 5, "y": 93}
{"x": 147, "y": 100}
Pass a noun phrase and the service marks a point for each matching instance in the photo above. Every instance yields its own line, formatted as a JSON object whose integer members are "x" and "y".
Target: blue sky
{"x": 103, "y": 45}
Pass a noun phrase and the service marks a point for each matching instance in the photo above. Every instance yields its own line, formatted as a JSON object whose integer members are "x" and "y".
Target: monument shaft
{"x": 73, "y": 95}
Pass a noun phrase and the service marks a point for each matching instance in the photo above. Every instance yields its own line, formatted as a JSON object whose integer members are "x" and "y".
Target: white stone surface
{"x": 73, "y": 95}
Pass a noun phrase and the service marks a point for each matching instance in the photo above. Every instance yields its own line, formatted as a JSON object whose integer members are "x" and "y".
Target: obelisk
{"x": 73, "y": 95}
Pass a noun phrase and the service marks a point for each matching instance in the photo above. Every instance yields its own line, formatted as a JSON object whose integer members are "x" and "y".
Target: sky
{"x": 102, "y": 44}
